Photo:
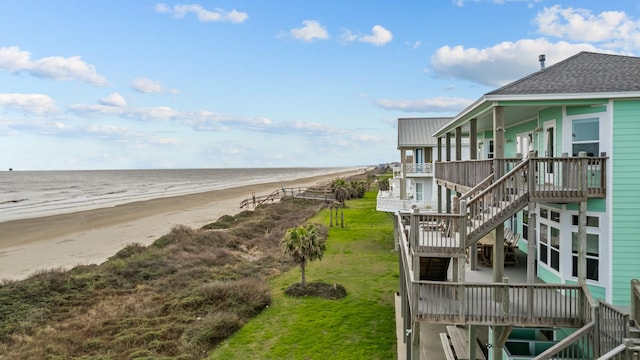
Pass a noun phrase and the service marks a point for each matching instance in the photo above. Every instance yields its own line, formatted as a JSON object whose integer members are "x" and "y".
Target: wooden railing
{"x": 466, "y": 173}
{"x": 502, "y": 304}
{"x": 497, "y": 202}
{"x": 558, "y": 179}
{"x": 569, "y": 179}
{"x": 603, "y": 337}
{"x": 301, "y": 192}
{"x": 635, "y": 300}
{"x": 437, "y": 234}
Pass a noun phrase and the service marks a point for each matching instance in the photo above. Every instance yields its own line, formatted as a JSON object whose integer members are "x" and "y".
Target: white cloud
{"x": 611, "y": 28}
{"x": 114, "y": 99}
{"x": 204, "y": 15}
{"x": 438, "y": 104}
{"x": 13, "y": 59}
{"x": 37, "y": 104}
{"x": 311, "y": 30}
{"x": 380, "y": 36}
{"x": 347, "y": 36}
{"x": 144, "y": 113}
{"x": 501, "y": 63}
{"x": 148, "y": 86}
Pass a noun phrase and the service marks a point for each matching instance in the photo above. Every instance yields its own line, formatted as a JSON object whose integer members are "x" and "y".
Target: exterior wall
{"x": 625, "y": 197}
{"x": 547, "y": 276}
{"x": 510, "y": 136}
{"x": 552, "y": 113}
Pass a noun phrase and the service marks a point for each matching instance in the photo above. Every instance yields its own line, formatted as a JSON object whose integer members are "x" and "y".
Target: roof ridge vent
{"x": 541, "y": 58}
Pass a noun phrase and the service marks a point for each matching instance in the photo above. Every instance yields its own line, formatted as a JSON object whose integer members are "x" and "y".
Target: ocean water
{"x": 29, "y": 194}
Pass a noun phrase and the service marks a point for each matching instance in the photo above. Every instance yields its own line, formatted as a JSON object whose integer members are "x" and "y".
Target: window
{"x": 592, "y": 221}
{"x": 490, "y": 154}
{"x": 549, "y": 247}
{"x": 593, "y": 254}
{"x": 586, "y": 136}
{"x": 544, "y": 244}
{"x": 525, "y": 224}
{"x": 593, "y": 247}
{"x": 419, "y": 195}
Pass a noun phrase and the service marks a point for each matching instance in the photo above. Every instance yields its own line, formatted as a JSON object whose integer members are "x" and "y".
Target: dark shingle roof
{"x": 585, "y": 72}
{"x": 417, "y": 131}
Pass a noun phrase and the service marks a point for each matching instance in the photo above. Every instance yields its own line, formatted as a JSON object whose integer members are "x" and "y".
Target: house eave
{"x": 487, "y": 102}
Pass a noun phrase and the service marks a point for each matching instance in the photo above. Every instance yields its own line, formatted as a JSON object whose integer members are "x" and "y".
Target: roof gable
{"x": 585, "y": 72}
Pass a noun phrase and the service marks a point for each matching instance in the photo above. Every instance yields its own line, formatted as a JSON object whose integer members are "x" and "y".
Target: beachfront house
{"x": 551, "y": 179}
{"x": 413, "y": 183}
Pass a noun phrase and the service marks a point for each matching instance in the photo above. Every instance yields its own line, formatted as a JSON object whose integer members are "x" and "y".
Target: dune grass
{"x": 359, "y": 326}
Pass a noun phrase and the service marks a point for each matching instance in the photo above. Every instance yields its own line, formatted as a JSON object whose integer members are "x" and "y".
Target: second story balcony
{"x": 417, "y": 169}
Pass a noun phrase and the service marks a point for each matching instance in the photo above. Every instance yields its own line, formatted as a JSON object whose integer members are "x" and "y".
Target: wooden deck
{"x": 501, "y": 304}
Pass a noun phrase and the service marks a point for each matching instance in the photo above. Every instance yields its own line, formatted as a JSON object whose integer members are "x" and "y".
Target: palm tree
{"x": 303, "y": 244}
{"x": 340, "y": 190}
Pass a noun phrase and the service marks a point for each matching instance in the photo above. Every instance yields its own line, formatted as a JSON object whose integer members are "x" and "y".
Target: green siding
{"x": 595, "y": 205}
{"x": 581, "y": 110}
{"x": 547, "y": 276}
{"x": 553, "y": 113}
{"x": 512, "y": 133}
{"x": 625, "y": 198}
{"x": 597, "y": 292}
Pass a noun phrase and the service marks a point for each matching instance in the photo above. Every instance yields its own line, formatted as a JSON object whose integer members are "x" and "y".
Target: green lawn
{"x": 359, "y": 326}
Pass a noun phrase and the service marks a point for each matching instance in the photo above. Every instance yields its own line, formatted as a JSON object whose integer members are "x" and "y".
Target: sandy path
{"x": 90, "y": 237}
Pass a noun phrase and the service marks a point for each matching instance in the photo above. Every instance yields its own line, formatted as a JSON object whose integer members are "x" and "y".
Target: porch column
{"x": 403, "y": 178}
{"x": 473, "y": 155}
{"x": 531, "y": 243}
{"x": 498, "y": 171}
{"x": 459, "y": 143}
{"x": 582, "y": 243}
{"x": 448, "y": 158}
{"x": 473, "y": 139}
{"x": 582, "y": 225}
{"x": 439, "y": 154}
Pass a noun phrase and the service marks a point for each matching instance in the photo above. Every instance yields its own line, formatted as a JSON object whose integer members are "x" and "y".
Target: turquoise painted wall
{"x": 625, "y": 198}
{"x": 597, "y": 292}
{"x": 546, "y": 115}
{"x": 583, "y": 110}
{"x": 511, "y": 134}
{"x": 547, "y": 276}
{"x": 596, "y": 205}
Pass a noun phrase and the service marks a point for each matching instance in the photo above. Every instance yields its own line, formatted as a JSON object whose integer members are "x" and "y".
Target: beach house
{"x": 550, "y": 177}
{"x": 413, "y": 184}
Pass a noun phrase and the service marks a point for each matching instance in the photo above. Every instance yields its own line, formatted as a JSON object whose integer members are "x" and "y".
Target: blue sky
{"x": 217, "y": 84}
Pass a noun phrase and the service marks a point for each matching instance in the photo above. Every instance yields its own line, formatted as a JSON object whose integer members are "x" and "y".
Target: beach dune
{"x": 92, "y": 236}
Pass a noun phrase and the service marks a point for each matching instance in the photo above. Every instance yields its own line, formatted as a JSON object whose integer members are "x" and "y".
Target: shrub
{"x": 210, "y": 330}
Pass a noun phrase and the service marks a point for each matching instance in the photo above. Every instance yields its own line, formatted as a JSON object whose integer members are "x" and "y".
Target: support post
{"x": 403, "y": 174}
{"x": 582, "y": 243}
{"x": 439, "y": 187}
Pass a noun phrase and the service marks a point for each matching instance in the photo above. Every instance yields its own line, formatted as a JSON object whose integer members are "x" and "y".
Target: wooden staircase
{"x": 498, "y": 202}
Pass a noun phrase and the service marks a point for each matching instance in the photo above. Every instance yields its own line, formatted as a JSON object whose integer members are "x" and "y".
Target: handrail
{"x": 481, "y": 186}
{"x": 497, "y": 182}
{"x": 581, "y": 336}
{"x": 613, "y": 352}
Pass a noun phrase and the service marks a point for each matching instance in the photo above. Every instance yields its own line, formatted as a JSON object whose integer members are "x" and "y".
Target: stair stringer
{"x": 477, "y": 233}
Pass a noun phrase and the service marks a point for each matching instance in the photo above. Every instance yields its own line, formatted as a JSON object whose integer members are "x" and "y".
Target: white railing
{"x": 388, "y": 201}
{"x": 418, "y": 168}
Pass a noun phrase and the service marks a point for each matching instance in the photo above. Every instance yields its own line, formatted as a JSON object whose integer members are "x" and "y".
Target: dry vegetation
{"x": 175, "y": 299}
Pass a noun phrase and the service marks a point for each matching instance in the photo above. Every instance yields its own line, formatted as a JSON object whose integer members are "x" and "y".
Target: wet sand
{"x": 92, "y": 236}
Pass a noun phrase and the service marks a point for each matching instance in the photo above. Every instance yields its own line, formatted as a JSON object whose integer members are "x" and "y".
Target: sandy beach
{"x": 92, "y": 236}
